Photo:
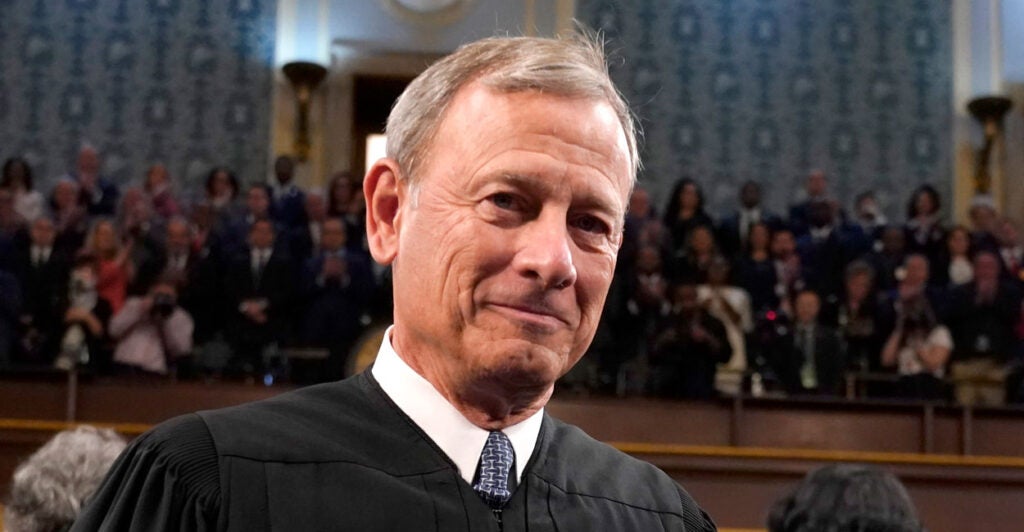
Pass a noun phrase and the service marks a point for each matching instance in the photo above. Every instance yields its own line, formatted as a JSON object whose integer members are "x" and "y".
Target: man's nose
{"x": 545, "y": 253}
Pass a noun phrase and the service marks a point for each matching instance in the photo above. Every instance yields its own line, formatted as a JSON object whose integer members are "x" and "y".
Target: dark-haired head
{"x": 232, "y": 181}
{"x": 846, "y": 498}
{"x": 10, "y": 173}
{"x": 675, "y": 202}
{"x": 925, "y": 200}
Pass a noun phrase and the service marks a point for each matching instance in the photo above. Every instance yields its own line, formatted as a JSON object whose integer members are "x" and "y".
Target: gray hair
{"x": 846, "y": 498}
{"x": 571, "y": 67}
{"x": 50, "y": 487}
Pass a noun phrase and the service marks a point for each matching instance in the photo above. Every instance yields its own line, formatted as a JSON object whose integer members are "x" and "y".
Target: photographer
{"x": 152, "y": 329}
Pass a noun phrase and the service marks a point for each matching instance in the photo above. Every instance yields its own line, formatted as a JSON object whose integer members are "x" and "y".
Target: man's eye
{"x": 503, "y": 200}
{"x": 591, "y": 224}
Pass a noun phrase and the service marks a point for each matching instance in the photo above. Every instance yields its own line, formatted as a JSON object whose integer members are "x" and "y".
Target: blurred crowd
{"x": 820, "y": 300}
{"x": 150, "y": 279}
{"x": 146, "y": 278}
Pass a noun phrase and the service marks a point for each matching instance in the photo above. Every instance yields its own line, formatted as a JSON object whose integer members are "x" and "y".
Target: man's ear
{"x": 384, "y": 191}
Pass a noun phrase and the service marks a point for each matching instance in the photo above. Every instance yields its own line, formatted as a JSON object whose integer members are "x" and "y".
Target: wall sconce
{"x": 304, "y": 77}
{"x": 989, "y": 111}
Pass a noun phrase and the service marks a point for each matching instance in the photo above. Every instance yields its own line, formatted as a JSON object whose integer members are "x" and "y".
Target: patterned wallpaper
{"x": 184, "y": 82}
{"x": 730, "y": 90}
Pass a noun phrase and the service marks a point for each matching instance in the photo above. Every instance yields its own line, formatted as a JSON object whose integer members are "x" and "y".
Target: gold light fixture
{"x": 304, "y": 77}
{"x": 989, "y": 111}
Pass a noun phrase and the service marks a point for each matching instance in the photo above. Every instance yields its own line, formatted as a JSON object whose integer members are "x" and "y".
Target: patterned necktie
{"x": 492, "y": 474}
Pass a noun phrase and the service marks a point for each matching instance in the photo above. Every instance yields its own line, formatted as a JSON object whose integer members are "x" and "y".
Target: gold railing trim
{"x": 819, "y": 455}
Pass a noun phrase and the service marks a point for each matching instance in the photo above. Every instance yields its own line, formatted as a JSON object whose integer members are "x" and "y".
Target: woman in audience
{"x": 114, "y": 269}
{"x": 919, "y": 348}
{"x": 70, "y": 217}
{"x": 345, "y": 200}
{"x": 17, "y": 177}
{"x": 158, "y": 189}
{"x": 221, "y": 190}
{"x": 756, "y": 271}
{"x": 954, "y": 266}
{"x": 685, "y": 211}
{"x": 925, "y": 233}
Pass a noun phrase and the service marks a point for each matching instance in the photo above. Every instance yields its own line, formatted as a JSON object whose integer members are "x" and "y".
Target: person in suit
{"x": 258, "y": 289}
{"x": 289, "y": 201}
{"x": 809, "y": 359}
{"x": 503, "y": 240}
{"x": 815, "y": 191}
{"x": 233, "y": 233}
{"x": 337, "y": 285}
{"x": 688, "y": 349}
{"x": 42, "y": 272}
{"x": 304, "y": 240}
{"x": 734, "y": 229}
{"x": 97, "y": 194}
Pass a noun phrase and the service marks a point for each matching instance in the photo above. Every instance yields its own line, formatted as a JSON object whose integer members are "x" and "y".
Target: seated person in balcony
{"x": 42, "y": 272}
{"x": 984, "y": 219}
{"x": 304, "y": 240}
{"x": 868, "y": 217}
{"x": 690, "y": 264}
{"x": 1011, "y": 253}
{"x": 684, "y": 212}
{"x": 925, "y": 234}
{"x": 755, "y": 270}
{"x": 731, "y": 305}
{"x": 688, "y": 349}
{"x": 337, "y": 286}
{"x": 919, "y": 348}
{"x": 815, "y": 191}
{"x": 982, "y": 320}
{"x": 233, "y": 234}
{"x": 808, "y": 358}
{"x": 912, "y": 282}
{"x": 824, "y": 251}
{"x": 288, "y": 207}
{"x": 151, "y": 330}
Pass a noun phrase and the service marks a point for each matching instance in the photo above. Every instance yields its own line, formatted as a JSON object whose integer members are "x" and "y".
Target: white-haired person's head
{"x": 51, "y": 486}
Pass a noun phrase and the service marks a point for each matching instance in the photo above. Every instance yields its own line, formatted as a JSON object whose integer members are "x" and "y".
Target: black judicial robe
{"x": 342, "y": 456}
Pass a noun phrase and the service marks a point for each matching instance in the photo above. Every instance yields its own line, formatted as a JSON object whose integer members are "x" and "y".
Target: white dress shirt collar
{"x": 461, "y": 440}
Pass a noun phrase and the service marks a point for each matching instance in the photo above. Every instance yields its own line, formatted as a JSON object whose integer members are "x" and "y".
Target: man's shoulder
{"x": 577, "y": 465}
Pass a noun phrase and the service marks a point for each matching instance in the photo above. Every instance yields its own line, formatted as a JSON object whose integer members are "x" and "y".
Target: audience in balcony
{"x": 747, "y": 272}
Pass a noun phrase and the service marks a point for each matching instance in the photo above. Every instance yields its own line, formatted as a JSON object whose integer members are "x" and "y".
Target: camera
{"x": 163, "y": 305}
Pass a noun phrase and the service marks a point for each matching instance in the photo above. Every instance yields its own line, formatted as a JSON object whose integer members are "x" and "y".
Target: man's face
{"x": 507, "y": 245}
{"x": 43, "y": 232}
{"x": 261, "y": 235}
{"x": 917, "y": 270}
{"x": 332, "y": 236}
{"x": 816, "y": 184}
{"x": 177, "y": 237}
{"x": 88, "y": 161}
{"x": 257, "y": 201}
{"x": 750, "y": 195}
{"x": 783, "y": 244}
{"x": 807, "y": 307}
{"x": 284, "y": 169}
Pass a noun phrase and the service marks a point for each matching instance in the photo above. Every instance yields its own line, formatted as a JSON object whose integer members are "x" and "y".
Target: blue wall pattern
{"x": 730, "y": 90}
{"x": 183, "y": 82}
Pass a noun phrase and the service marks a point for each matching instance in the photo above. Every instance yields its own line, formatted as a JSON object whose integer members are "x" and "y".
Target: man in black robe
{"x": 502, "y": 236}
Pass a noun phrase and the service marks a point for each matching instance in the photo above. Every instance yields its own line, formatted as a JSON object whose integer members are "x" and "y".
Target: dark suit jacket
{"x": 44, "y": 289}
{"x": 334, "y": 306}
{"x": 289, "y": 209}
{"x": 276, "y": 285}
{"x": 341, "y": 456}
{"x": 729, "y": 231}
{"x": 829, "y": 361}
{"x": 103, "y": 205}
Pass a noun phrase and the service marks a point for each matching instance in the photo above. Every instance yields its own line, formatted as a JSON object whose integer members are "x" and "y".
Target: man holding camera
{"x": 152, "y": 329}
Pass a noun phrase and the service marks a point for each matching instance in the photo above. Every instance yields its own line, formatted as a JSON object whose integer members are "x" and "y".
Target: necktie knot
{"x": 493, "y": 472}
